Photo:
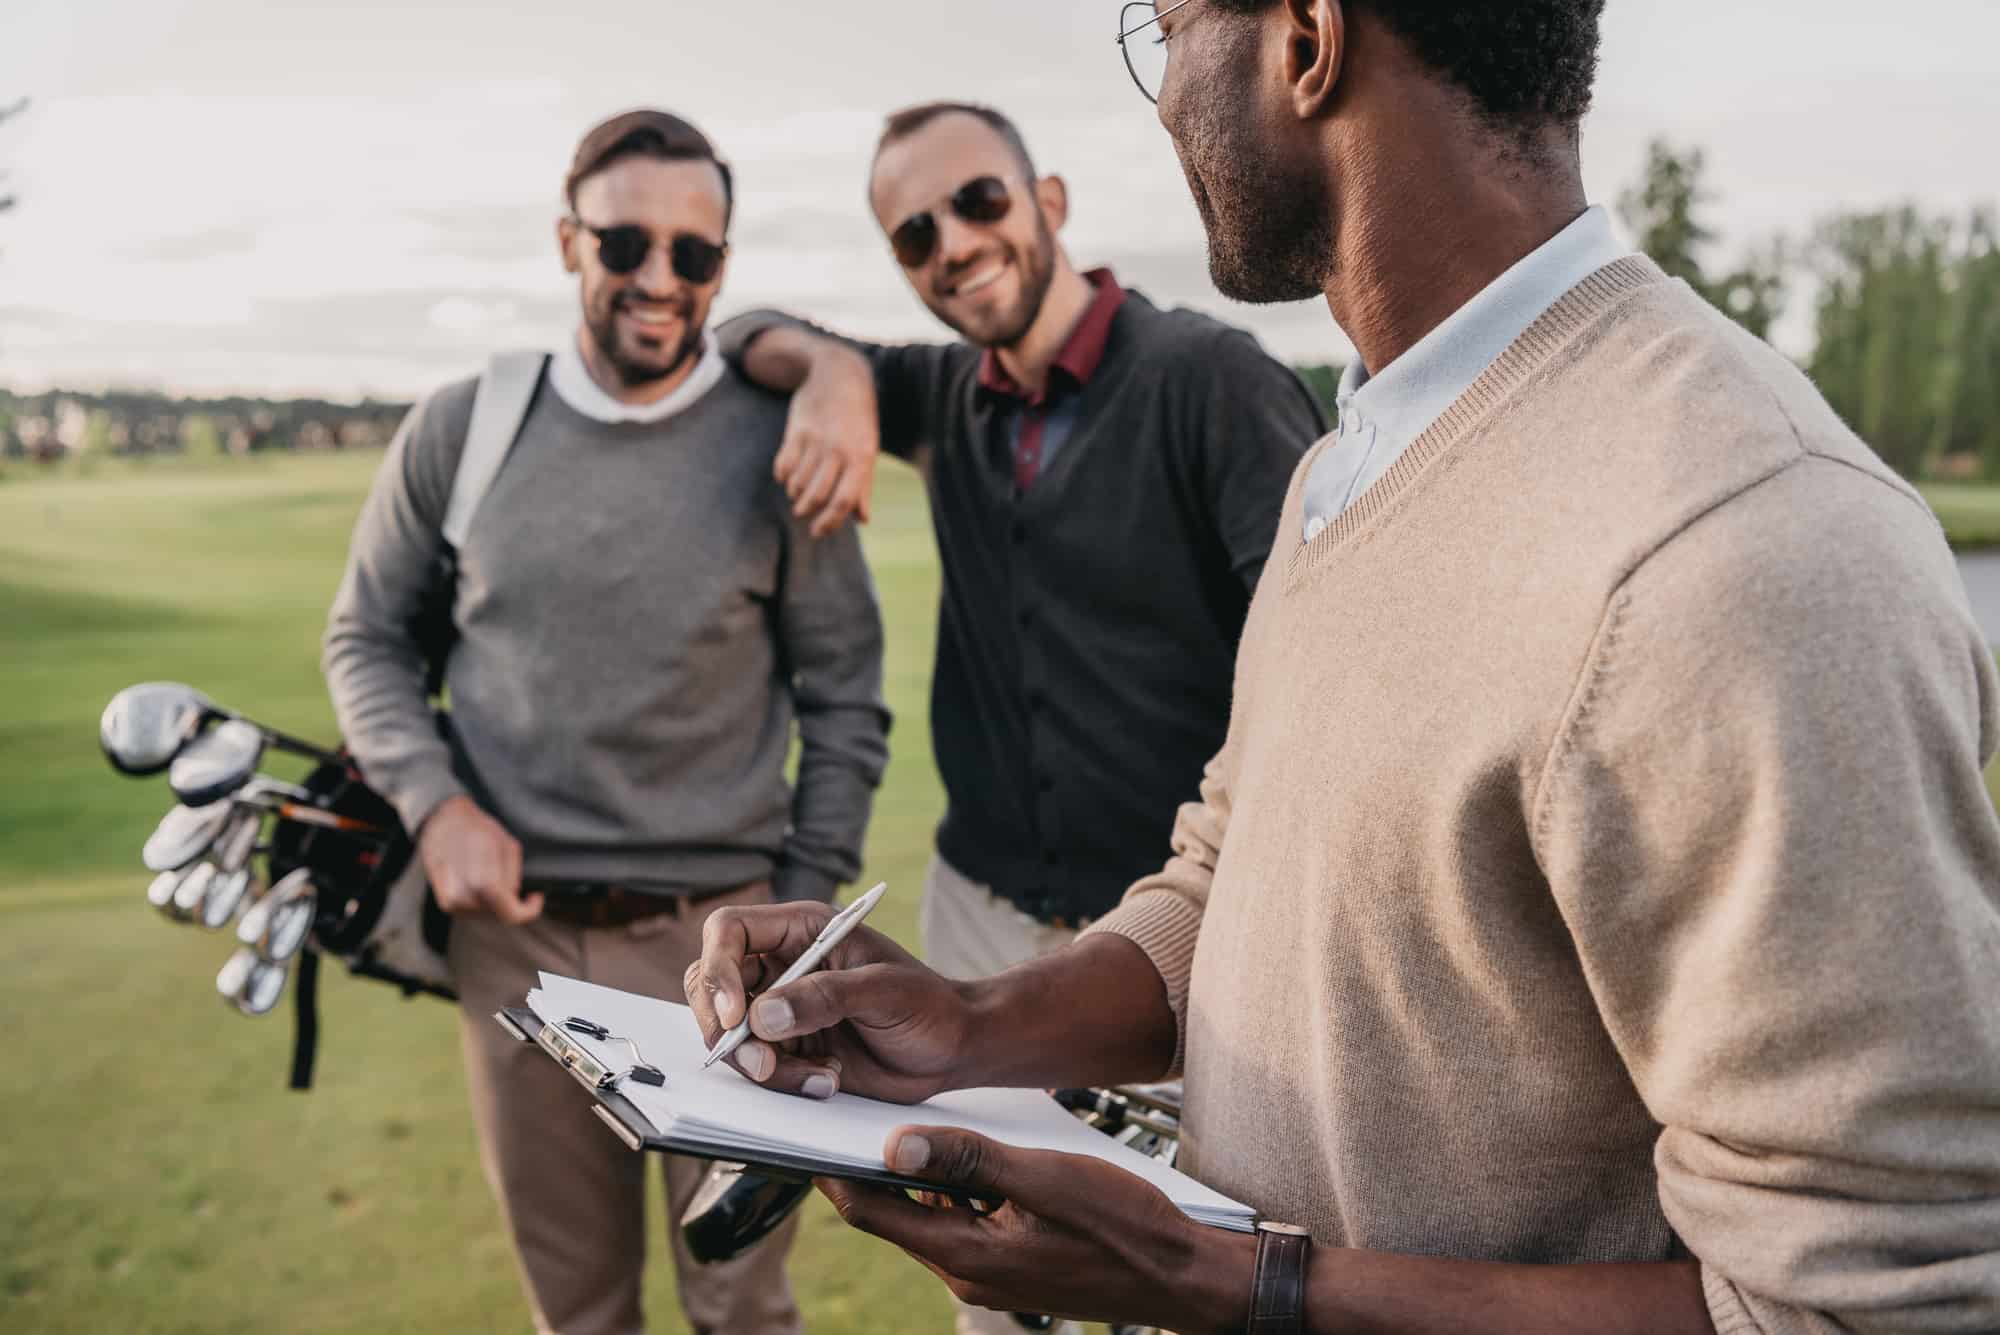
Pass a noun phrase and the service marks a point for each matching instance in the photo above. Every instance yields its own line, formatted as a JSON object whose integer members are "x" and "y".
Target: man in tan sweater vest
{"x": 1592, "y": 922}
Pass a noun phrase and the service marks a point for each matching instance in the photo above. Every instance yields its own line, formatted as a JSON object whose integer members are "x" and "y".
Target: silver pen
{"x": 831, "y": 935}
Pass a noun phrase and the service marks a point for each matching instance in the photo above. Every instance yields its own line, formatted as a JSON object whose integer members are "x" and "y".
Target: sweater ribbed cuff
{"x": 795, "y": 882}
{"x": 1164, "y": 925}
{"x": 417, "y": 799}
{"x": 1725, "y": 1306}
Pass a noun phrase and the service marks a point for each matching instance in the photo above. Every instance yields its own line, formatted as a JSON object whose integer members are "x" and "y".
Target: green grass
{"x": 1970, "y": 512}
{"x": 155, "y": 1175}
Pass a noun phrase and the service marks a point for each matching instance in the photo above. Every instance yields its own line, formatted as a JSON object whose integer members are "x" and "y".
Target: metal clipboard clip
{"x": 589, "y": 1072}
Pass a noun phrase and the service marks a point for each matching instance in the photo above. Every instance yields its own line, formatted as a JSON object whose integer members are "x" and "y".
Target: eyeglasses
{"x": 624, "y": 247}
{"x": 1146, "y": 58}
{"x": 983, "y": 199}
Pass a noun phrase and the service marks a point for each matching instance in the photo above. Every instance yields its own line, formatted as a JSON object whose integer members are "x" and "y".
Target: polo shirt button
{"x": 1315, "y": 526}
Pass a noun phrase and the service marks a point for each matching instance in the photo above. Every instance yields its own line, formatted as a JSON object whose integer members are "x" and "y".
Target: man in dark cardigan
{"x": 1105, "y": 477}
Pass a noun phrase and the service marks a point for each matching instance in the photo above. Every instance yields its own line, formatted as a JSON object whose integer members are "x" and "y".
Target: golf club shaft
{"x": 284, "y": 741}
{"x": 325, "y": 820}
{"x": 287, "y": 742}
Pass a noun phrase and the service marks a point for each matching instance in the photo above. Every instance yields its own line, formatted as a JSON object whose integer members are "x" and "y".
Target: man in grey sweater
{"x": 639, "y": 623}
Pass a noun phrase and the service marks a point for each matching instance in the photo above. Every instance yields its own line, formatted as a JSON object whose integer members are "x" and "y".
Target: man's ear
{"x": 1052, "y": 193}
{"x": 566, "y": 238}
{"x": 1315, "y": 49}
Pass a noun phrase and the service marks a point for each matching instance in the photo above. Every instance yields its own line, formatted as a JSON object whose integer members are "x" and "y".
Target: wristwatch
{"x": 1278, "y": 1288}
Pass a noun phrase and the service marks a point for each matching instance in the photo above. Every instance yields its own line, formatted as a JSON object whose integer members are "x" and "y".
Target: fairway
{"x": 1970, "y": 512}
{"x": 158, "y": 1177}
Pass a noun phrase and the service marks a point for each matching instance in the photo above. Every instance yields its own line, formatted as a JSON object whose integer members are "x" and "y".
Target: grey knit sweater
{"x": 641, "y": 623}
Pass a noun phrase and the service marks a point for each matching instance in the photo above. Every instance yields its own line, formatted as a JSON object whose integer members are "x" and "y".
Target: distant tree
{"x": 1666, "y": 212}
{"x": 1968, "y": 382}
{"x": 1880, "y": 328}
{"x": 1907, "y": 334}
{"x": 1324, "y": 383}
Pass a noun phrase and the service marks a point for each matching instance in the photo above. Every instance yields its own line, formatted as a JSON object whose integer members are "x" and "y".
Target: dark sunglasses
{"x": 623, "y": 248}
{"x": 984, "y": 199}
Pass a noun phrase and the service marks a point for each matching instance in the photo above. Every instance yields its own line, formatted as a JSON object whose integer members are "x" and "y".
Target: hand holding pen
{"x": 861, "y": 1014}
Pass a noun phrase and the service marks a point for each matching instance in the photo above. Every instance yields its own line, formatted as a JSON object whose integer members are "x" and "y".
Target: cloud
{"x": 191, "y": 247}
{"x": 358, "y": 196}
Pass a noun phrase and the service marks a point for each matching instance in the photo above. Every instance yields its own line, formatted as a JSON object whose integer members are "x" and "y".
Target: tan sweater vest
{"x": 1599, "y": 865}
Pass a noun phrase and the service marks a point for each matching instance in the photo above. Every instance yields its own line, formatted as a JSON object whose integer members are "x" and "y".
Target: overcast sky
{"x": 358, "y": 197}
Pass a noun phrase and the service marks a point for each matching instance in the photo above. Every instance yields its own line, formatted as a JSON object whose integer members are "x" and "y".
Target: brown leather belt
{"x": 605, "y": 904}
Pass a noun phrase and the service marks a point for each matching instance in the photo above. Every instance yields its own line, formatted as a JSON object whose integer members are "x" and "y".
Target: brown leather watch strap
{"x": 1278, "y": 1286}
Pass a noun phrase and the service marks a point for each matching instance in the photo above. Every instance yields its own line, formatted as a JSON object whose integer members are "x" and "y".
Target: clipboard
{"x": 632, "y": 1127}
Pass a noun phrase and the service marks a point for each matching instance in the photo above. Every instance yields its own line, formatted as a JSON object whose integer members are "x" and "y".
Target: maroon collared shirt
{"x": 1045, "y": 420}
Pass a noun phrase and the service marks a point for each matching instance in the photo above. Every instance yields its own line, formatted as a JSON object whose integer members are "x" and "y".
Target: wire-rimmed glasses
{"x": 1145, "y": 43}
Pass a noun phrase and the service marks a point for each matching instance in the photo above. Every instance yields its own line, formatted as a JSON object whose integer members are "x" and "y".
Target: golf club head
{"x": 160, "y": 894}
{"x": 250, "y": 983}
{"x": 278, "y": 924}
{"x": 217, "y": 764}
{"x": 238, "y": 841}
{"x": 183, "y": 835}
{"x": 145, "y": 727}
{"x": 192, "y": 890}
{"x": 263, "y": 790}
{"x": 256, "y": 919}
{"x": 265, "y": 986}
{"x": 225, "y": 895}
{"x": 235, "y": 973}
{"x": 291, "y": 924}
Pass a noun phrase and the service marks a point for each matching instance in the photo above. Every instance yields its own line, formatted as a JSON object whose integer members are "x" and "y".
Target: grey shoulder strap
{"x": 499, "y": 406}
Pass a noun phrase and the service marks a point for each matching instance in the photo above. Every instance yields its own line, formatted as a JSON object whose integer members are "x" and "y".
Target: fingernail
{"x": 774, "y": 1017}
{"x": 728, "y": 1009}
{"x": 912, "y": 1153}
{"x": 758, "y": 1061}
{"x": 818, "y": 1087}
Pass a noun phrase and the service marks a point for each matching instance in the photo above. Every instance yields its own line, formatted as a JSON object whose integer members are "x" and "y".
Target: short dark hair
{"x": 902, "y": 124}
{"x": 650, "y": 134}
{"x": 1527, "y": 64}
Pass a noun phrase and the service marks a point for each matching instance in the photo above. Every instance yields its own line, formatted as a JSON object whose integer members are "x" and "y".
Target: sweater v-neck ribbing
{"x": 1578, "y": 309}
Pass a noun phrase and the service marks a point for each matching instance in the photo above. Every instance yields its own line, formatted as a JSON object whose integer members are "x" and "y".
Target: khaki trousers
{"x": 969, "y": 932}
{"x": 573, "y": 1195}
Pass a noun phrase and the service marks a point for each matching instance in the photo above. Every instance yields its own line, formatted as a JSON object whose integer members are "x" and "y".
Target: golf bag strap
{"x": 499, "y": 407}
{"x": 305, "y": 1013}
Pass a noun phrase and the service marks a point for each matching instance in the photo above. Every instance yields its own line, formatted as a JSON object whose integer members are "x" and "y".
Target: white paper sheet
{"x": 718, "y": 1107}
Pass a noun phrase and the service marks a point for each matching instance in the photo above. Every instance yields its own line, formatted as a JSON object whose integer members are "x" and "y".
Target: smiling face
{"x": 646, "y": 326}
{"x": 985, "y": 280}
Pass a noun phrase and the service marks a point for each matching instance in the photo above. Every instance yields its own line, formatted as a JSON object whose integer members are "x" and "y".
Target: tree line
{"x": 1905, "y": 310}
{"x": 1905, "y": 321}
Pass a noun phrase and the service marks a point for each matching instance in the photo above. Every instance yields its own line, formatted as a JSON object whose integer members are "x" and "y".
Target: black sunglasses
{"x": 623, "y": 248}
{"x": 984, "y": 199}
